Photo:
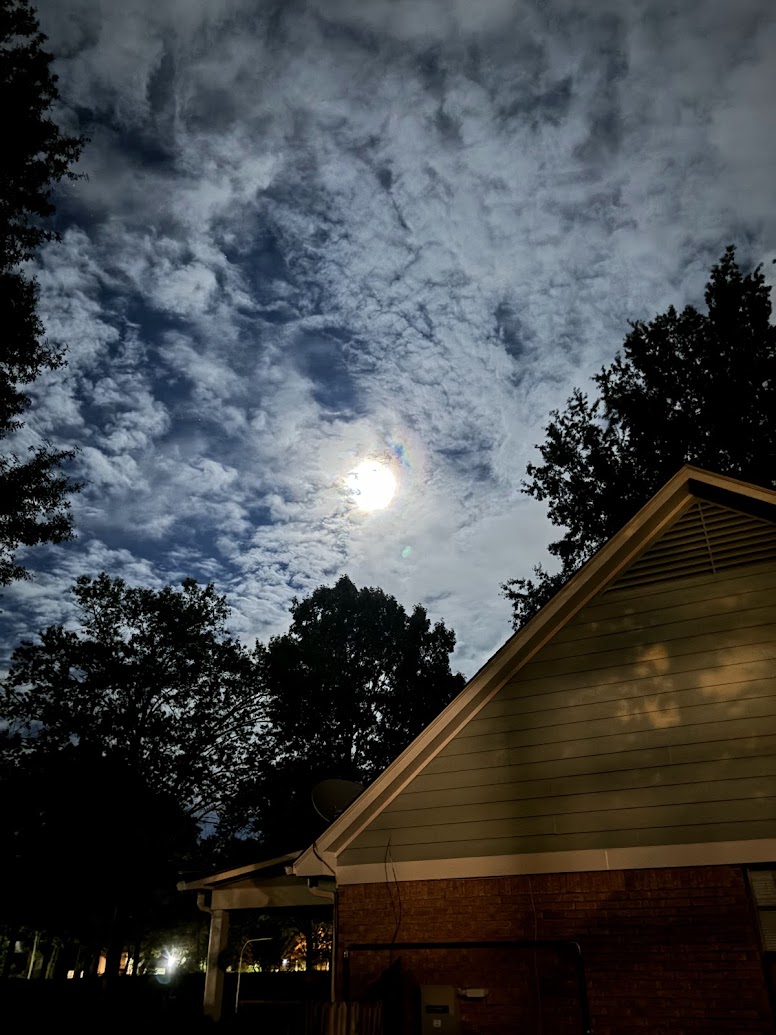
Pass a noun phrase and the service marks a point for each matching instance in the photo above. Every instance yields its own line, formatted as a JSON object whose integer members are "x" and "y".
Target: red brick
{"x": 672, "y": 952}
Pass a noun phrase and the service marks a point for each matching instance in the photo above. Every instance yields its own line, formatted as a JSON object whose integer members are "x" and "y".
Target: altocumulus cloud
{"x": 316, "y": 230}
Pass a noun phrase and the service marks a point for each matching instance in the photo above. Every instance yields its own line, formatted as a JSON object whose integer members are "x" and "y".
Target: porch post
{"x": 214, "y": 975}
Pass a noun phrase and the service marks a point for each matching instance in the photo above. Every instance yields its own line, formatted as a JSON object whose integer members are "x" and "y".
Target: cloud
{"x": 317, "y": 231}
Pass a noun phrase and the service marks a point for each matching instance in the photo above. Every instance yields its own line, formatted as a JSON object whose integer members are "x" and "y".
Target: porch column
{"x": 214, "y": 975}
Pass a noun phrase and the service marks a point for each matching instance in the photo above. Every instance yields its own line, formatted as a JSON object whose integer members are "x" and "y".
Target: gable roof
{"x": 702, "y": 514}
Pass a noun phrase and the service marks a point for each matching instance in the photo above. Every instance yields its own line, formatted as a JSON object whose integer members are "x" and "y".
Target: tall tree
{"x": 350, "y": 684}
{"x": 36, "y": 155}
{"x": 688, "y": 388}
{"x": 152, "y": 680}
{"x": 120, "y": 736}
{"x": 90, "y": 855}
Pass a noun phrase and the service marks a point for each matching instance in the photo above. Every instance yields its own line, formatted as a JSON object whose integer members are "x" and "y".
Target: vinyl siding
{"x": 649, "y": 719}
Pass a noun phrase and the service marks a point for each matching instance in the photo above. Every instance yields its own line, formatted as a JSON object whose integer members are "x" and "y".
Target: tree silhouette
{"x": 36, "y": 155}
{"x": 689, "y": 388}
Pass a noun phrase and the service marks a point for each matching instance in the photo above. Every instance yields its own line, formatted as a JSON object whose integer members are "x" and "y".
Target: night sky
{"x": 314, "y": 233}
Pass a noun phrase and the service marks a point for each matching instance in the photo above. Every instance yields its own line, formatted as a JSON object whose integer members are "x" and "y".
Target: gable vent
{"x": 706, "y": 539}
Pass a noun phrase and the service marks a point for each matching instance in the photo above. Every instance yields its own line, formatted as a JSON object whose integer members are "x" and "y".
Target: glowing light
{"x": 171, "y": 959}
{"x": 373, "y": 484}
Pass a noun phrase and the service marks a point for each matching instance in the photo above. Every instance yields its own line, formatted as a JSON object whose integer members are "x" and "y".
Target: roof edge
{"x": 225, "y": 876}
{"x": 677, "y": 494}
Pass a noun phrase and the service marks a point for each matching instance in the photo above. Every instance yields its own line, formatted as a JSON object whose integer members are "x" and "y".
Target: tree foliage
{"x": 121, "y": 737}
{"x": 36, "y": 155}
{"x": 350, "y": 684}
{"x": 151, "y": 680}
{"x": 90, "y": 854}
{"x": 688, "y": 388}
{"x": 147, "y": 718}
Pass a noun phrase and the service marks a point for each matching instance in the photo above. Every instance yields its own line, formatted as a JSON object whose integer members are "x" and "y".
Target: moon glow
{"x": 372, "y": 484}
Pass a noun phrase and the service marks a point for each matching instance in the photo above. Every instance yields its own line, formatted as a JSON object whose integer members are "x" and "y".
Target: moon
{"x": 372, "y": 484}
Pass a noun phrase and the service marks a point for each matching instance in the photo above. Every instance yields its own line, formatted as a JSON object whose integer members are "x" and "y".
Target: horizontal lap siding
{"x": 623, "y": 610}
{"x": 650, "y": 719}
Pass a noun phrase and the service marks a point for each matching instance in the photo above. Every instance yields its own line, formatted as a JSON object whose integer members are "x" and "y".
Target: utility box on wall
{"x": 439, "y": 1010}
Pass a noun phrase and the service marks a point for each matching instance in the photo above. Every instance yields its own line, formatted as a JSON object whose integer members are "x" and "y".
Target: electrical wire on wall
{"x": 320, "y": 858}
{"x": 396, "y": 905}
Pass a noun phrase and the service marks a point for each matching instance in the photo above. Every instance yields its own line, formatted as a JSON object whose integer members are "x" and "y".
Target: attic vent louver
{"x": 705, "y": 540}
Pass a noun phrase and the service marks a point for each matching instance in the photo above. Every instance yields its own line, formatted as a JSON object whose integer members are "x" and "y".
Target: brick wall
{"x": 666, "y": 952}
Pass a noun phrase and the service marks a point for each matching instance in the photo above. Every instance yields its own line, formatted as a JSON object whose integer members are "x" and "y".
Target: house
{"x": 585, "y": 838}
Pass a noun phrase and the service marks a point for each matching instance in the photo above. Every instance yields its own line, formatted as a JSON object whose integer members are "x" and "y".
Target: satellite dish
{"x": 332, "y": 797}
